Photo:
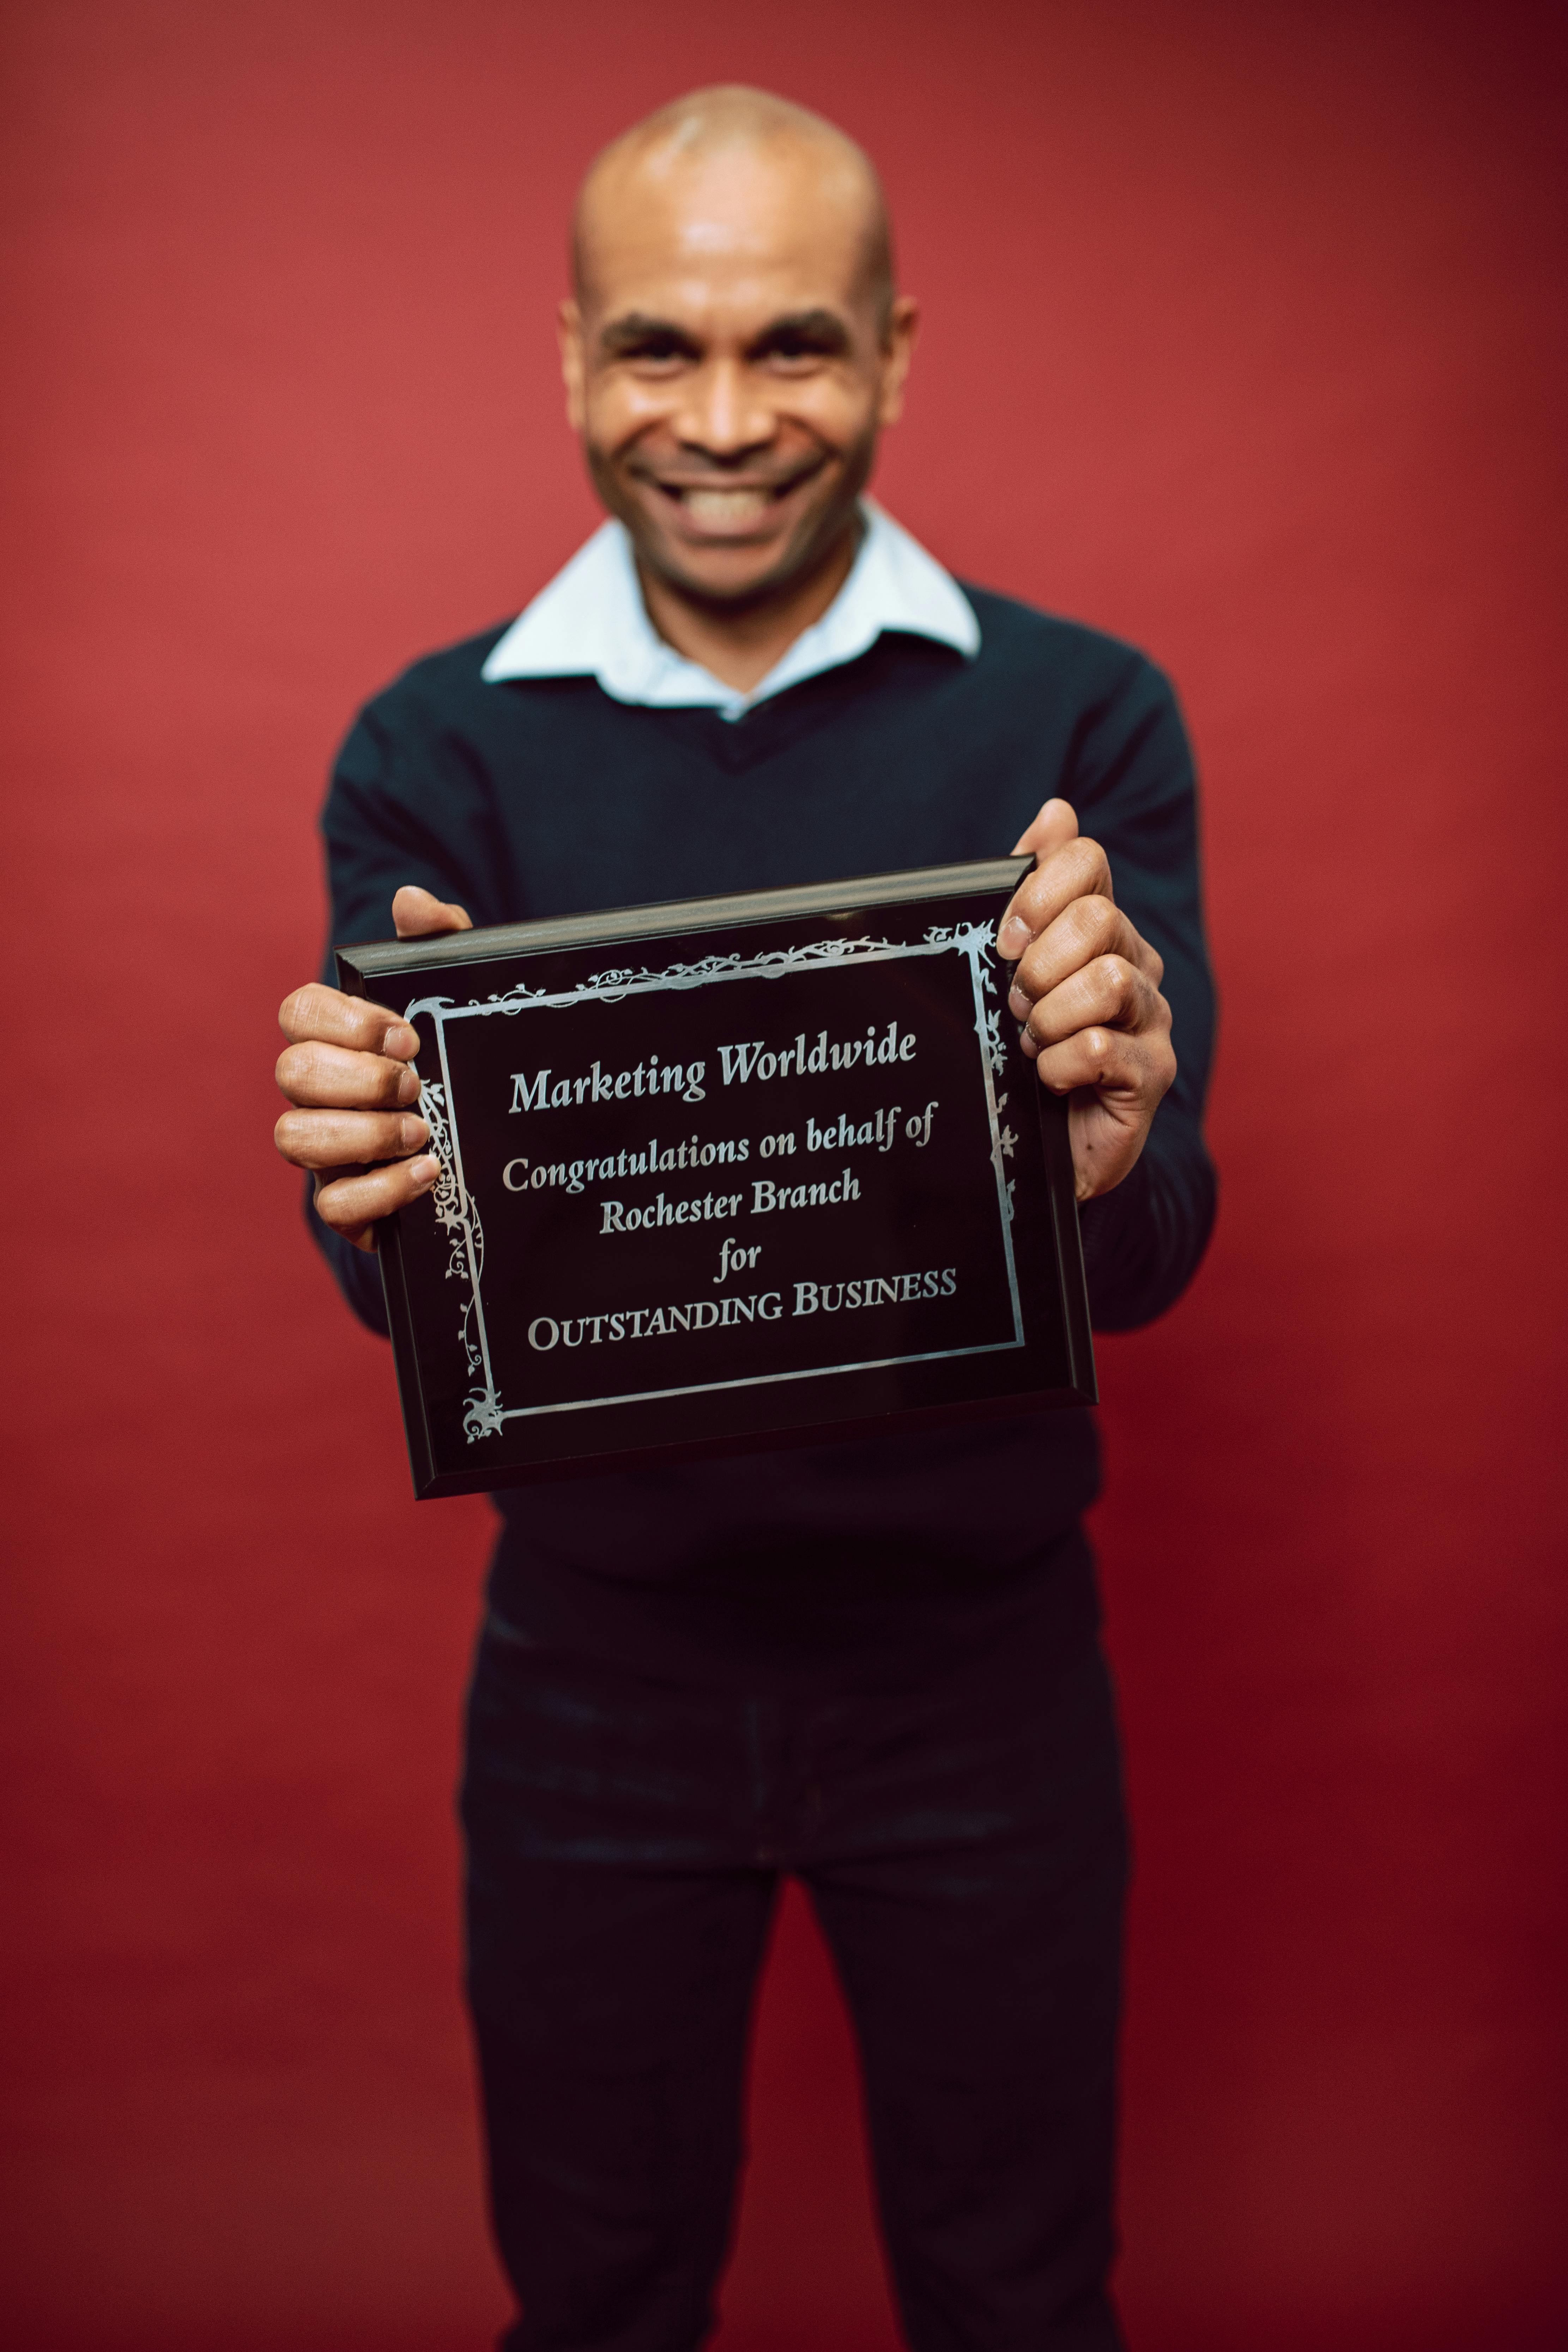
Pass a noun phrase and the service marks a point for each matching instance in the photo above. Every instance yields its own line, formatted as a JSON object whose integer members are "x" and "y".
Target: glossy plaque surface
{"x": 735, "y": 1172}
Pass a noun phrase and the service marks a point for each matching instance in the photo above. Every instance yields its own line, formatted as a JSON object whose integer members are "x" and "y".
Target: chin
{"x": 728, "y": 574}
{"x": 725, "y": 584}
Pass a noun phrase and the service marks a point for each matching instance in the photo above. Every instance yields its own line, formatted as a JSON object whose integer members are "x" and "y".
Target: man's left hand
{"x": 1087, "y": 991}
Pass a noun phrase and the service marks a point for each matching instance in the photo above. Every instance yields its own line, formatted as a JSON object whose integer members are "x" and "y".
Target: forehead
{"x": 731, "y": 235}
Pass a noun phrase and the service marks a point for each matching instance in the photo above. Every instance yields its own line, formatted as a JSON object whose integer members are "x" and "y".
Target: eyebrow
{"x": 822, "y": 330}
{"x": 628, "y": 333}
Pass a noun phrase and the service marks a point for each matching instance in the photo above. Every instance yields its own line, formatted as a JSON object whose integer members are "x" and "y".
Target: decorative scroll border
{"x": 456, "y": 1212}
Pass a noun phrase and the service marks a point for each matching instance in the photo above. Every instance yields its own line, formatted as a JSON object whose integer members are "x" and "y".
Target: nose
{"x": 723, "y": 414}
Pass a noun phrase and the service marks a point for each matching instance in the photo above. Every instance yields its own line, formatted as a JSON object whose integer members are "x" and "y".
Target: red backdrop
{"x": 1245, "y": 340}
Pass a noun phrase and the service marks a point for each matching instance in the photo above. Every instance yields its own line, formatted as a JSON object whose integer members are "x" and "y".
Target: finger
{"x": 1084, "y": 930}
{"x": 1129, "y": 1072}
{"x": 1079, "y": 869}
{"x": 1056, "y": 824}
{"x": 419, "y": 914}
{"x": 319, "y": 1012}
{"x": 1109, "y": 993}
{"x": 314, "y": 1076}
{"x": 345, "y": 1138}
{"x": 352, "y": 1203}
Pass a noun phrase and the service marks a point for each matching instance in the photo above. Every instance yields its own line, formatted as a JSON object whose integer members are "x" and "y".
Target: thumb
{"x": 1055, "y": 826}
{"x": 419, "y": 914}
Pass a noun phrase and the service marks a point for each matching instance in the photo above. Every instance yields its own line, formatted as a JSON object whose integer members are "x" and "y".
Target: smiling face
{"x": 733, "y": 352}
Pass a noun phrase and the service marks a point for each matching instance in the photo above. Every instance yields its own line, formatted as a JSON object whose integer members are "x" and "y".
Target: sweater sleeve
{"x": 1131, "y": 782}
{"x": 403, "y": 807}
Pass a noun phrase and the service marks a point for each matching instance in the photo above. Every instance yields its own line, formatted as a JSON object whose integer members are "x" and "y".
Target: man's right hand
{"x": 346, "y": 1071}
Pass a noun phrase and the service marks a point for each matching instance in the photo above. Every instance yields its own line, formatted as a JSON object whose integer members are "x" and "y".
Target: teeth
{"x": 726, "y": 506}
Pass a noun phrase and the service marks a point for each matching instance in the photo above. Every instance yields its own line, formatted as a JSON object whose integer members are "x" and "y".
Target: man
{"x": 875, "y": 1664}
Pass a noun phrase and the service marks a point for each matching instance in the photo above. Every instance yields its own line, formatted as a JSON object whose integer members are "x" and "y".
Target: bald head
{"x": 712, "y": 169}
{"x": 734, "y": 347}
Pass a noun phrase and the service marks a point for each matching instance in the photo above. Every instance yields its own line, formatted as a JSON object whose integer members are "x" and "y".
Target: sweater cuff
{"x": 1112, "y": 1226}
{"x": 357, "y": 1272}
{"x": 1143, "y": 1242}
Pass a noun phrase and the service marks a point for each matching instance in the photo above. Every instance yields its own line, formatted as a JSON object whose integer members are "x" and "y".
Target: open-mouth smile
{"x": 729, "y": 507}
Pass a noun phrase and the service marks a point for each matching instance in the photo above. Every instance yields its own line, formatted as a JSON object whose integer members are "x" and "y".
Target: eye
{"x": 803, "y": 345}
{"x": 657, "y": 354}
{"x": 796, "y": 352}
{"x": 649, "y": 347}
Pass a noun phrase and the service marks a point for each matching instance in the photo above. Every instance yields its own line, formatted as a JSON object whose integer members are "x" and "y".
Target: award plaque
{"x": 725, "y": 1173}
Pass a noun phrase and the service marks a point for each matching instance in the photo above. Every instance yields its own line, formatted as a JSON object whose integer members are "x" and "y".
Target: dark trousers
{"x": 962, "y": 1842}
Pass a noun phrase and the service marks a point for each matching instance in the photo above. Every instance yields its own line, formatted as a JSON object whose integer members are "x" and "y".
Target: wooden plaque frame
{"x": 725, "y": 1173}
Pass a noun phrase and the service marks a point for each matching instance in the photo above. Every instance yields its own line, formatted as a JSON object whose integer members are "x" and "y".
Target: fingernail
{"x": 425, "y": 1173}
{"x": 407, "y": 1085}
{"x": 415, "y": 1131}
{"x": 1018, "y": 1004}
{"x": 1013, "y": 938}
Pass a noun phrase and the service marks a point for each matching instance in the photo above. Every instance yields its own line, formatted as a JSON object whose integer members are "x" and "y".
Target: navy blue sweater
{"x": 547, "y": 798}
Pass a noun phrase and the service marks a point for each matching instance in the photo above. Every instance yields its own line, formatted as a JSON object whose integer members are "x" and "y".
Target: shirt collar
{"x": 590, "y": 622}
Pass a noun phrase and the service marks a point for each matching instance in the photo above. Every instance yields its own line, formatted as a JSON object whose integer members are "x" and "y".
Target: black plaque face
{"x": 732, "y": 1173}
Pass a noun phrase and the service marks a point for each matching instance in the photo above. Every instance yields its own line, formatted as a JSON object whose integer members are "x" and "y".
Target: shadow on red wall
{"x": 1244, "y": 338}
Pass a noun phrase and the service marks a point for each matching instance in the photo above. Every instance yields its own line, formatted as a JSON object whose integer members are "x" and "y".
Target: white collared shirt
{"x": 590, "y": 622}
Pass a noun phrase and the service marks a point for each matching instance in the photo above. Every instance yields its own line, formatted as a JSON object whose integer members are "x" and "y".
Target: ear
{"x": 574, "y": 370}
{"x": 900, "y": 336}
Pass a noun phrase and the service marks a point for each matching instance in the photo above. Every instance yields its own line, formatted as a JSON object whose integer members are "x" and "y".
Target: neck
{"x": 741, "y": 644}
